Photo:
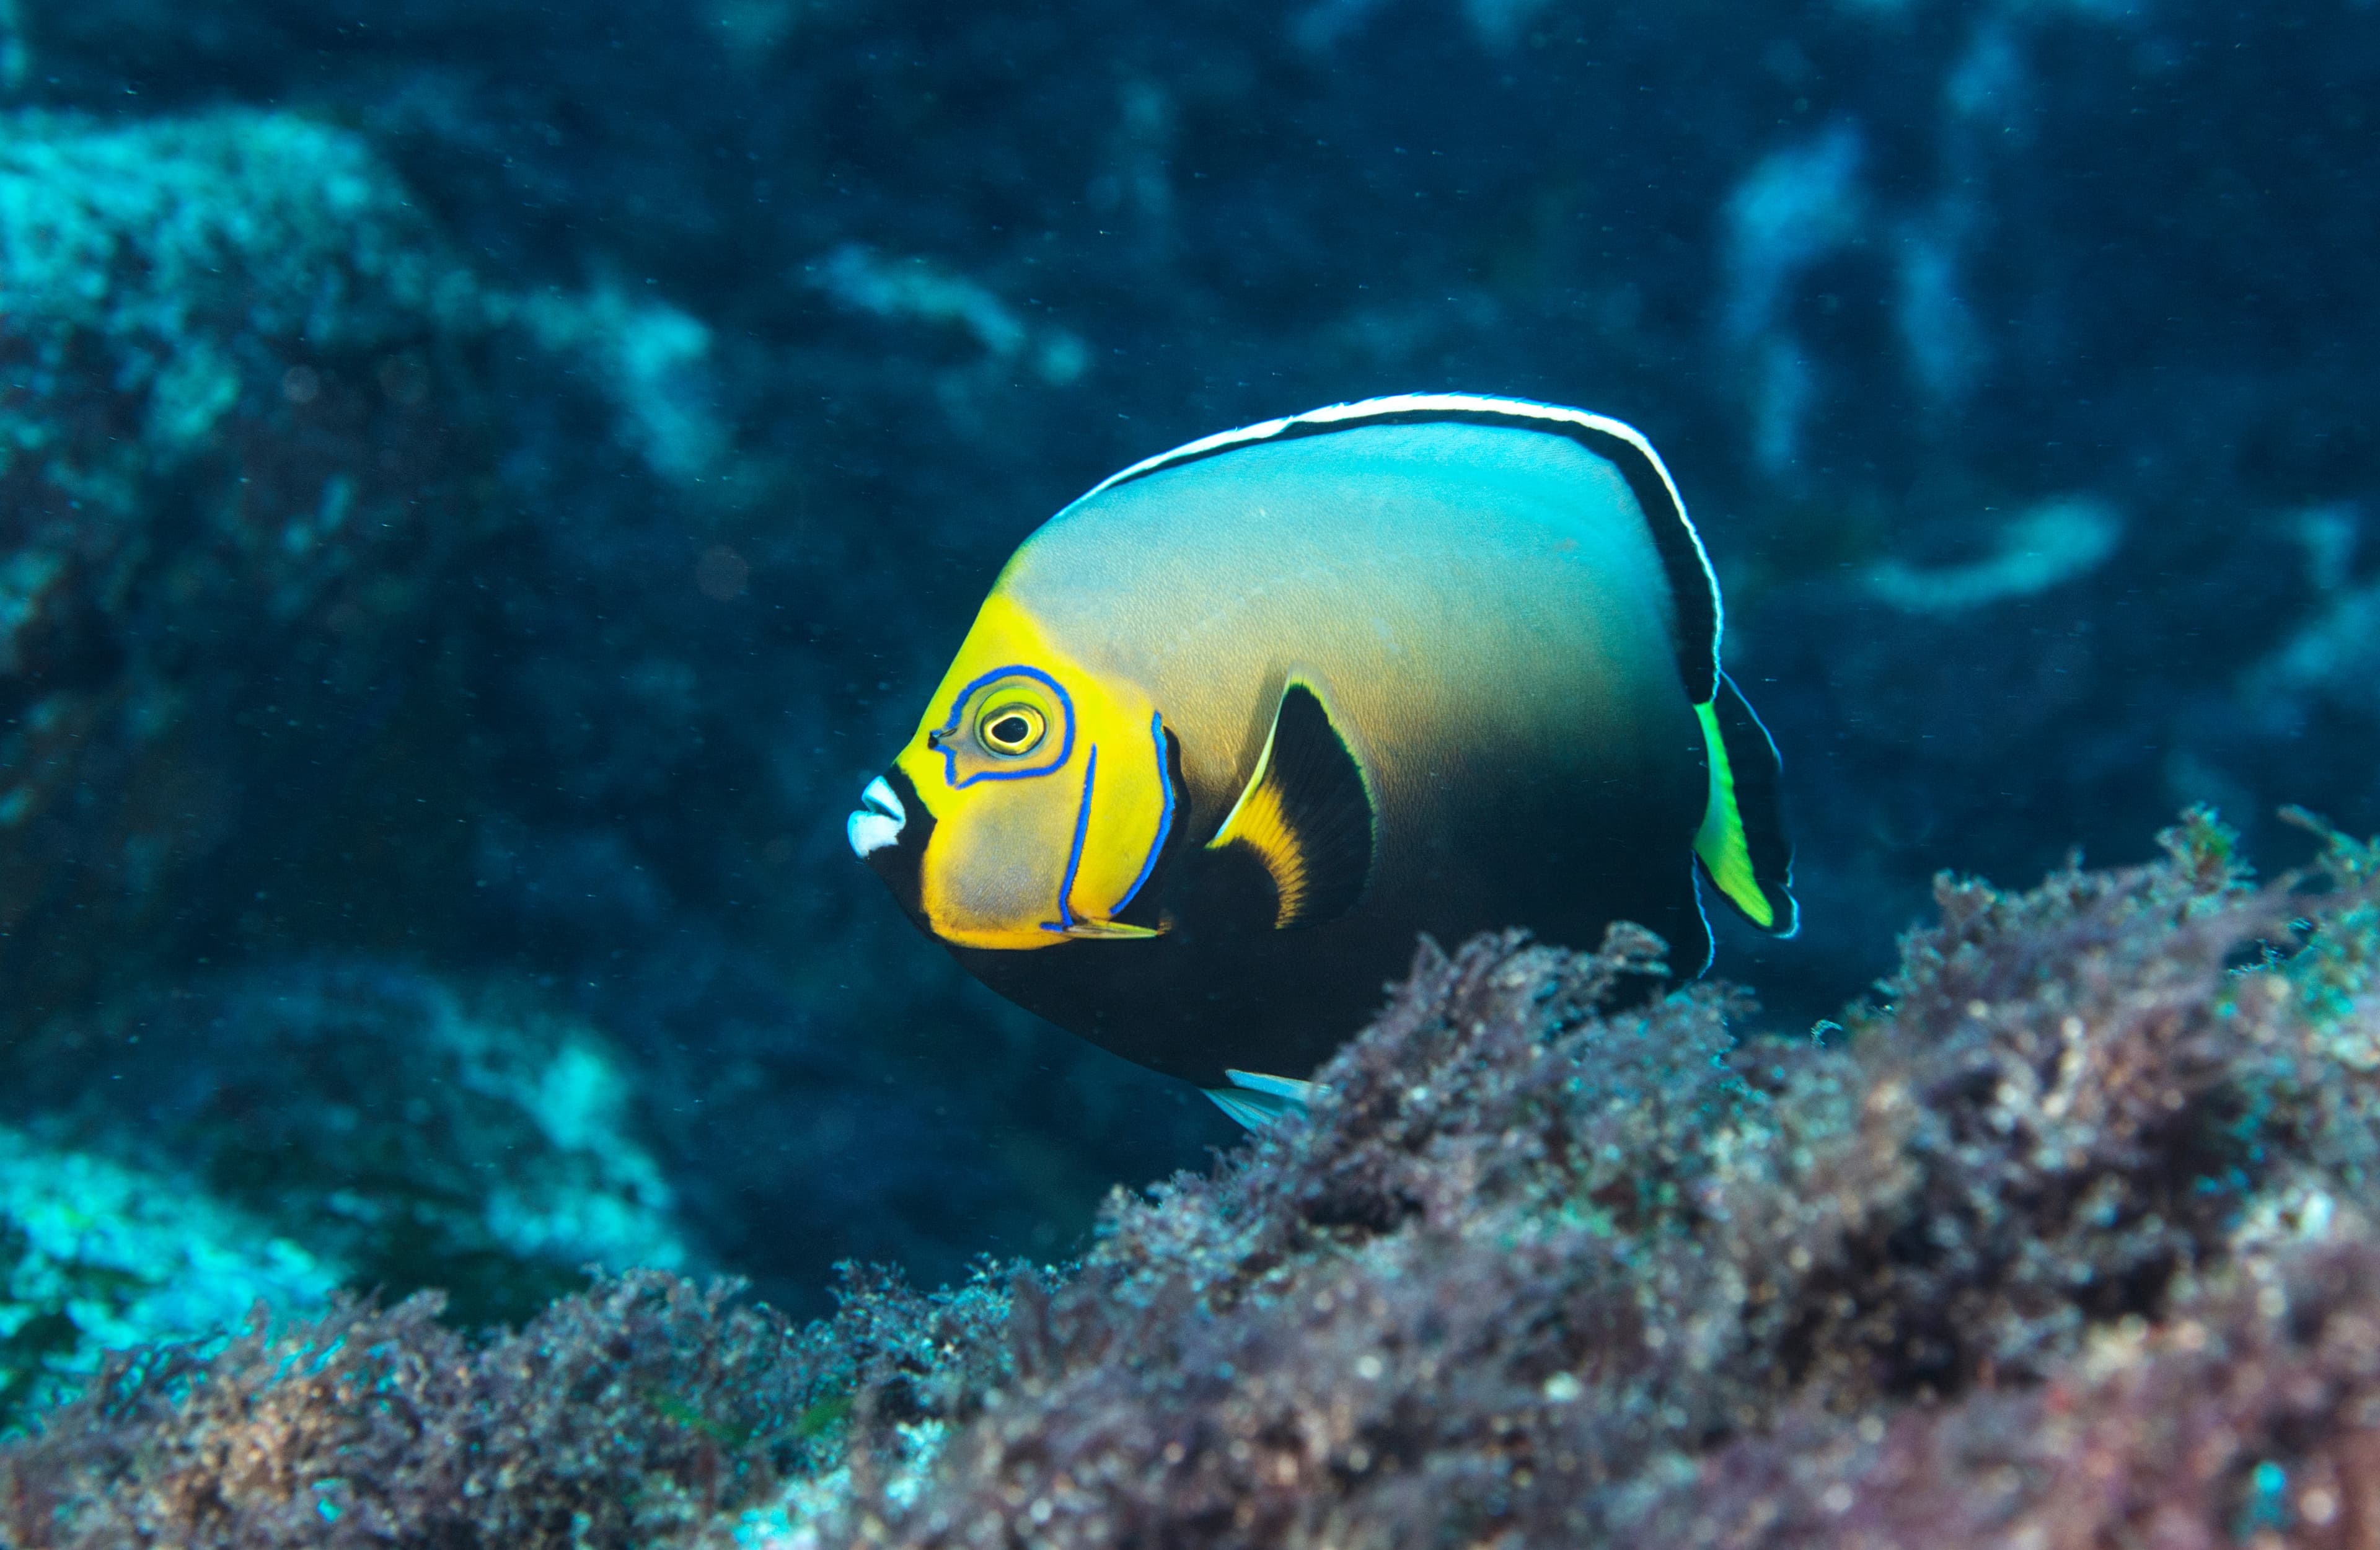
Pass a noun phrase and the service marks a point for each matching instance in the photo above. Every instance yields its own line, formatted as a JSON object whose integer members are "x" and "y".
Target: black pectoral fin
{"x": 1307, "y": 815}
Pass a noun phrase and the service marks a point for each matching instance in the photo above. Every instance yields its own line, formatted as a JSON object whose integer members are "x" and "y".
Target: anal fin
{"x": 1307, "y": 815}
{"x": 1256, "y": 1100}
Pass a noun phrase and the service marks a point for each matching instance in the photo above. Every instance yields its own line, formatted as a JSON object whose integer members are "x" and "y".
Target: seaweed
{"x": 2247, "y": 1415}
{"x": 1533, "y": 1267}
{"x": 2053, "y": 1244}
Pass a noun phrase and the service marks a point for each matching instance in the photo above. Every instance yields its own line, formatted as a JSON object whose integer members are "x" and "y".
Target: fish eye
{"x": 1011, "y": 730}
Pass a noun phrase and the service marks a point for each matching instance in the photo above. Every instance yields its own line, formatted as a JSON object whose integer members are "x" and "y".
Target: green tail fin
{"x": 1742, "y": 841}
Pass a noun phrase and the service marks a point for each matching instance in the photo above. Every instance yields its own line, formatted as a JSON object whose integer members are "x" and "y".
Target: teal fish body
{"x": 1237, "y": 726}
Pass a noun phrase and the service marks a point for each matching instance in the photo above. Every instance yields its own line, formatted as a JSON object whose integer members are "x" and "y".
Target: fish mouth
{"x": 889, "y": 832}
{"x": 879, "y": 821}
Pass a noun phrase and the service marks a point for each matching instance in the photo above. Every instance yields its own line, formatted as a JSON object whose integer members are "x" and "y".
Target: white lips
{"x": 879, "y": 823}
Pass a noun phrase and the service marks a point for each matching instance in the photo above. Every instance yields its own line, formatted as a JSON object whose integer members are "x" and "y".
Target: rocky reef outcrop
{"x": 2059, "y": 1242}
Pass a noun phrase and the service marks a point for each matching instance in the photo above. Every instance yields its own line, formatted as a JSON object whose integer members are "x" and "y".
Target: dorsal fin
{"x": 1742, "y": 842}
{"x": 1693, "y": 583}
{"x": 1306, "y": 815}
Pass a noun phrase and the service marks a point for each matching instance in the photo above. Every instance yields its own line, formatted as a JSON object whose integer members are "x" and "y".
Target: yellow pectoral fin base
{"x": 1742, "y": 841}
{"x": 1307, "y": 815}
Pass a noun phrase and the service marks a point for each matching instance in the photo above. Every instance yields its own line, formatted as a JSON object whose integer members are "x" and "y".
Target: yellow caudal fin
{"x": 1306, "y": 815}
{"x": 1742, "y": 842}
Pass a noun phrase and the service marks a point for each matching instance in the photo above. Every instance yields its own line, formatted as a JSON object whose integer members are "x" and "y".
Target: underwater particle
{"x": 1321, "y": 26}
{"x": 721, "y": 574}
{"x": 752, "y": 30}
{"x": 2048, "y": 546}
{"x": 405, "y": 376}
{"x": 2265, "y": 1505}
{"x": 1501, "y": 24}
{"x": 1119, "y": 811}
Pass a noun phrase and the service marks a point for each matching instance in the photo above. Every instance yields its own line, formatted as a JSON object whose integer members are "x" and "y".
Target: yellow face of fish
{"x": 1033, "y": 803}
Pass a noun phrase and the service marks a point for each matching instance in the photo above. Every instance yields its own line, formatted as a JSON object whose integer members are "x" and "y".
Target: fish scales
{"x": 1236, "y": 727}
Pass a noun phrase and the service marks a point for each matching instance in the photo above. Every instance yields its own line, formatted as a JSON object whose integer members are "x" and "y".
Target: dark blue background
{"x": 599, "y": 699}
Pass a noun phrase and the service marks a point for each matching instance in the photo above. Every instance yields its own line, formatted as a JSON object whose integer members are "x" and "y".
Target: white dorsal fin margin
{"x": 1349, "y": 416}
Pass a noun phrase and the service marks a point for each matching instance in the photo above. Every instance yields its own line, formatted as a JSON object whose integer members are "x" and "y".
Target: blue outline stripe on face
{"x": 950, "y": 758}
{"x": 1074, "y": 858}
{"x": 1164, "y": 819}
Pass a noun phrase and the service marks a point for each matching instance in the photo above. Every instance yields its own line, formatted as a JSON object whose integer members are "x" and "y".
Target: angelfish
{"x": 1234, "y": 728}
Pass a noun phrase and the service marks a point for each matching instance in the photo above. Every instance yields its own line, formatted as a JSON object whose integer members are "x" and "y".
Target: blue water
{"x": 483, "y": 486}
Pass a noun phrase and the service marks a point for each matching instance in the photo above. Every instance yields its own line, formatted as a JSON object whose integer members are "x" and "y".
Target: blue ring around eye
{"x": 950, "y": 755}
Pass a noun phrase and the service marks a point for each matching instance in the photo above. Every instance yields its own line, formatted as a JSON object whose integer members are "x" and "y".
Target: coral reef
{"x": 644, "y": 1411}
{"x": 865, "y": 281}
{"x": 481, "y": 485}
{"x": 96, "y": 1256}
{"x": 612, "y": 1419}
{"x": 2049, "y": 546}
{"x": 267, "y": 430}
{"x": 235, "y": 451}
{"x": 402, "y": 1132}
{"x": 2056, "y": 1244}
{"x": 1529, "y": 1270}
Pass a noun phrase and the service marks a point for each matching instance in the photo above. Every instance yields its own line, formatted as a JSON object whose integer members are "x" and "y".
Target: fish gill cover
{"x": 483, "y": 486}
